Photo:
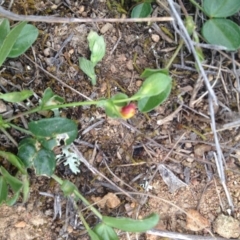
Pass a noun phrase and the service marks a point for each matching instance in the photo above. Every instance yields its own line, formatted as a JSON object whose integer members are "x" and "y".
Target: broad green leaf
{"x": 15, "y": 97}
{"x": 24, "y": 41}
{"x": 221, "y": 8}
{"x": 61, "y": 129}
{"x": 3, "y": 190}
{"x": 92, "y": 38}
{"x": 9, "y": 41}
{"x": 149, "y": 103}
{"x": 99, "y": 50}
{"x": 141, "y": 10}
{"x": 222, "y": 32}
{"x": 105, "y": 232}
{"x": 148, "y": 72}
{"x": 92, "y": 234}
{"x": 50, "y": 98}
{"x": 15, "y": 184}
{"x": 119, "y": 96}
{"x": 12, "y": 200}
{"x": 27, "y": 151}
{"x": 88, "y": 68}
{"x": 131, "y": 225}
{"x": 4, "y": 29}
{"x": 14, "y": 160}
{"x": 111, "y": 109}
{"x": 49, "y": 144}
{"x": 44, "y": 162}
{"x": 154, "y": 85}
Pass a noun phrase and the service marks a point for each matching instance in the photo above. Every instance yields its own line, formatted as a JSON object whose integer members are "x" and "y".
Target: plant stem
{"x": 79, "y": 195}
{"x": 197, "y": 5}
{"x": 174, "y": 55}
{"x": 20, "y": 129}
{"x": 73, "y": 104}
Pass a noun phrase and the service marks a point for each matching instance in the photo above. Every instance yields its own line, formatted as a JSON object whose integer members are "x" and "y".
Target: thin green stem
{"x": 20, "y": 129}
{"x": 73, "y": 104}
{"x": 197, "y": 5}
{"x": 175, "y": 54}
{"x": 79, "y": 195}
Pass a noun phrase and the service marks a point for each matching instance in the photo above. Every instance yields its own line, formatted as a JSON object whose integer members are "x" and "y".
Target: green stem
{"x": 197, "y": 5}
{"x": 20, "y": 129}
{"x": 73, "y": 104}
{"x": 175, "y": 54}
{"x": 83, "y": 199}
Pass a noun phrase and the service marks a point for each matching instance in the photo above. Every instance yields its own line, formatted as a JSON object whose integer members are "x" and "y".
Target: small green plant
{"x": 142, "y": 9}
{"x": 98, "y": 48}
{"x": 218, "y": 30}
{"x": 15, "y": 41}
{"x": 36, "y": 150}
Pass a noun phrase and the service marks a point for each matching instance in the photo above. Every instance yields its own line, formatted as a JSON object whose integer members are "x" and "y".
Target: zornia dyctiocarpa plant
{"x": 43, "y": 136}
{"x": 36, "y": 150}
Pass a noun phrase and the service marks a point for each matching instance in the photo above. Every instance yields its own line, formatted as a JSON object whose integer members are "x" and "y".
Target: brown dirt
{"x": 130, "y": 151}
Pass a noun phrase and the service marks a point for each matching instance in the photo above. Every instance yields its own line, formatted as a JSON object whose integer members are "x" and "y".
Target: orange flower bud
{"x": 128, "y": 111}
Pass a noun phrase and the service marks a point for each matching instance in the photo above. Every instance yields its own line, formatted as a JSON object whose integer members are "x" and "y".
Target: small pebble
{"x": 46, "y": 52}
{"x": 106, "y": 27}
{"x": 155, "y": 38}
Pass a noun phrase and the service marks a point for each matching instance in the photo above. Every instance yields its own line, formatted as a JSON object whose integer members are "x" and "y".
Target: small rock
{"x": 155, "y": 38}
{"x": 138, "y": 83}
{"x": 46, "y": 52}
{"x": 227, "y": 226}
{"x": 195, "y": 221}
{"x": 200, "y": 149}
{"x": 106, "y": 27}
{"x": 112, "y": 200}
{"x": 130, "y": 65}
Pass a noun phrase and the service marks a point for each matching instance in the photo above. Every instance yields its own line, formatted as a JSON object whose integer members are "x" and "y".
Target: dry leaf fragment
{"x": 20, "y": 224}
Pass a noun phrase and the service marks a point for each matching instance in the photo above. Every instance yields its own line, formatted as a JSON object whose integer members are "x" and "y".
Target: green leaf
{"x": 105, "y": 232}
{"x": 92, "y": 38}
{"x": 27, "y": 151}
{"x": 4, "y": 29}
{"x": 61, "y": 129}
{"x": 221, "y": 8}
{"x": 111, "y": 109}
{"x": 44, "y": 162}
{"x": 9, "y": 41}
{"x": 15, "y": 184}
{"x": 24, "y": 41}
{"x": 15, "y": 97}
{"x": 131, "y": 225}
{"x": 222, "y": 32}
{"x": 11, "y": 201}
{"x": 88, "y": 68}
{"x": 148, "y": 72}
{"x": 14, "y": 160}
{"x": 141, "y": 10}
{"x": 97, "y": 46}
{"x": 119, "y": 96}
{"x": 3, "y": 190}
{"x": 154, "y": 85}
{"x": 92, "y": 234}
{"x": 149, "y": 103}
{"x": 50, "y": 98}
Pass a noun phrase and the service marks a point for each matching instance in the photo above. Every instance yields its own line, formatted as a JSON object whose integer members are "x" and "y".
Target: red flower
{"x": 128, "y": 111}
